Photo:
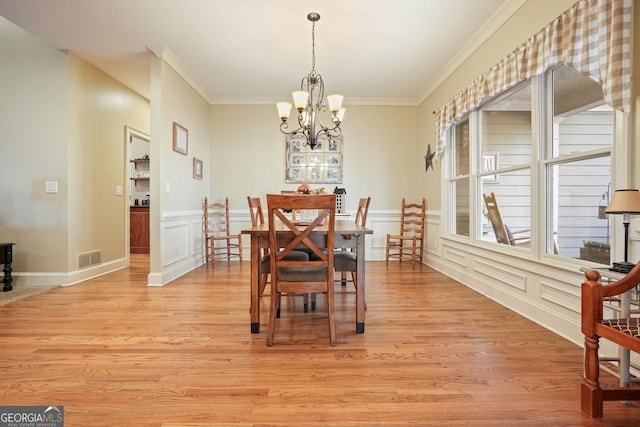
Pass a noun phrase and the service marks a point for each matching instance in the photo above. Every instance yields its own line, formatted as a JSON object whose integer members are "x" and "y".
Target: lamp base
{"x": 622, "y": 267}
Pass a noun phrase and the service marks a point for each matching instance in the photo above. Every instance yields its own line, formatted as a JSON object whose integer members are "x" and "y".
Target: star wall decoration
{"x": 428, "y": 159}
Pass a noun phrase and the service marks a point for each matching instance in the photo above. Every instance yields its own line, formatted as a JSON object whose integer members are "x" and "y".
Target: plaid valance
{"x": 593, "y": 36}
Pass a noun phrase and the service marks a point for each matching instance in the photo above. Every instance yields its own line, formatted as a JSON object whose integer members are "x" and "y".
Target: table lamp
{"x": 625, "y": 202}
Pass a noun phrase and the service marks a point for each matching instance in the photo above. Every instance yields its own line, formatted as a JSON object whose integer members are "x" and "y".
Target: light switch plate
{"x": 118, "y": 190}
{"x": 51, "y": 187}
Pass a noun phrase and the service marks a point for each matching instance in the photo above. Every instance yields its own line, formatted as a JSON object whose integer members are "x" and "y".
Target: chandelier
{"x": 309, "y": 103}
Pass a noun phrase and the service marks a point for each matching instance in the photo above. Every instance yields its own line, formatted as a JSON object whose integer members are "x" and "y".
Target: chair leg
{"x": 273, "y": 309}
{"x": 387, "y": 252}
{"x": 263, "y": 283}
{"x": 591, "y": 393}
{"x": 278, "y": 306}
{"x": 414, "y": 253}
{"x": 331, "y": 315}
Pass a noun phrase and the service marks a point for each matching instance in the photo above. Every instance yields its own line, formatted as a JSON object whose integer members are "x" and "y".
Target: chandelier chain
{"x": 313, "y": 48}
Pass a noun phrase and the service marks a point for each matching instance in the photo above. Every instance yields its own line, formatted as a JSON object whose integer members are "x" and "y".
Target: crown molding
{"x": 172, "y": 60}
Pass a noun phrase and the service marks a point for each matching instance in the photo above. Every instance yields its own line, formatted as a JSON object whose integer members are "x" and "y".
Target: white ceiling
{"x": 257, "y": 51}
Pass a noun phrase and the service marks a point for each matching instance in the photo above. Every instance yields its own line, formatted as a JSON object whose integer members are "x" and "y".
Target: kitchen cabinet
{"x": 139, "y": 230}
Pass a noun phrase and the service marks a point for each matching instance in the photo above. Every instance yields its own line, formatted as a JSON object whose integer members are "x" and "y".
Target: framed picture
{"x": 296, "y": 175}
{"x": 323, "y": 165}
{"x": 180, "y": 139}
{"x": 334, "y": 174}
{"x": 315, "y": 159}
{"x": 298, "y": 160}
{"x": 197, "y": 168}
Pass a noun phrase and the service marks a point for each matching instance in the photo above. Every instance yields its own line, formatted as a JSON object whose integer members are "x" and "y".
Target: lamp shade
{"x": 284, "y": 109}
{"x": 624, "y": 201}
{"x": 335, "y": 102}
{"x": 300, "y": 98}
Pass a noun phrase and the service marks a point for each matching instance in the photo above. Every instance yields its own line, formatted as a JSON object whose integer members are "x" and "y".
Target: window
{"x": 578, "y": 166}
{"x": 460, "y": 184}
{"x": 506, "y": 141}
{"x": 554, "y": 129}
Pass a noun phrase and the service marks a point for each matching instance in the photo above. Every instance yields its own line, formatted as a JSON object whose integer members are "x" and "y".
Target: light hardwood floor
{"x": 115, "y": 352}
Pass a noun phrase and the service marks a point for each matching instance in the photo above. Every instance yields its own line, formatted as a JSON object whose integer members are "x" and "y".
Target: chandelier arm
{"x": 284, "y": 126}
{"x": 301, "y": 121}
{"x": 334, "y": 132}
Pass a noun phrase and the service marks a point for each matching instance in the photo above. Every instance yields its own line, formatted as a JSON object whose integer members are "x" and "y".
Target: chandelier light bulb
{"x": 300, "y": 98}
{"x": 335, "y": 102}
{"x": 284, "y": 109}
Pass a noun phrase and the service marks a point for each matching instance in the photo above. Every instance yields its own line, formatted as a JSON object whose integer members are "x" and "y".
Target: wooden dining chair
{"x": 345, "y": 261}
{"x": 257, "y": 218}
{"x": 409, "y": 243}
{"x": 220, "y": 244}
{"x": 285, "y": 236}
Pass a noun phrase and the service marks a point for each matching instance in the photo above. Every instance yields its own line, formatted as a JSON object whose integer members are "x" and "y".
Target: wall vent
{"x": 89, "y": 258}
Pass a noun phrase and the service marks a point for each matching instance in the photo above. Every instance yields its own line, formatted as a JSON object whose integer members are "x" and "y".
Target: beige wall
{"x": 179, "y": 102}
{"x": 63, "y": 121}
{"x": 34, "y": 147}
{"x": 176, "y": 197}
{"x": 381, "y": 155}
{"x": 99, "y": 108}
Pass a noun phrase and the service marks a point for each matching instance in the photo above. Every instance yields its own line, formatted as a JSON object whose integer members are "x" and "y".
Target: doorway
{"x": 138, "y": 192}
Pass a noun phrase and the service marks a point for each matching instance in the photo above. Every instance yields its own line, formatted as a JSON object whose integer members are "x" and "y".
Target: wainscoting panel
{"x": 562, "y": 294}
{"x": 181, "y": 237}
{"x": 175, "y": 242}
{"x": 456, "y": 257}
{"x": 502, "y": 273}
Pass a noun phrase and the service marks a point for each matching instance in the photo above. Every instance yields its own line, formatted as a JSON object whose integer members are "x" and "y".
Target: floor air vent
{"x": 89, "y": 258}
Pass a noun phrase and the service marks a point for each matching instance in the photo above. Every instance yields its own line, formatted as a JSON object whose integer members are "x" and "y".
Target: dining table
{"x": 347, "y": 235}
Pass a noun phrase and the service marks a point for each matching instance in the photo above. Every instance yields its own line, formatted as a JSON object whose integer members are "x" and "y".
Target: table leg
{"x": 360, "y": 294}
{"x": 255, "y": 283}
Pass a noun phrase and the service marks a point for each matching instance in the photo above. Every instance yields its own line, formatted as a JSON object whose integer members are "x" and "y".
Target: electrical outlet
{"x": 51, "y": 187}
{"x": 167, "y": 187}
